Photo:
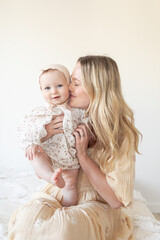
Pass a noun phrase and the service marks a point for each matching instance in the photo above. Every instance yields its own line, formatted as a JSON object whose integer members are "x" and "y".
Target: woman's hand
{"x": 82, "y": 137}
{"x": 53, "y": 127}
{"x": 32, "y": 150}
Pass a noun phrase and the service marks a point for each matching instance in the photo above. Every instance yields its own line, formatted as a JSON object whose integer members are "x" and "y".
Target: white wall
{"x": 36, "y": 33}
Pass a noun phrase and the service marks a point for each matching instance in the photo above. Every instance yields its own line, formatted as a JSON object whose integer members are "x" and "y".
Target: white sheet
{"x": 17, "y": 188}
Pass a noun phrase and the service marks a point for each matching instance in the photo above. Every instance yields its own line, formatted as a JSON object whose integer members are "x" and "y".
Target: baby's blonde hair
{"x": 110, "y": 117}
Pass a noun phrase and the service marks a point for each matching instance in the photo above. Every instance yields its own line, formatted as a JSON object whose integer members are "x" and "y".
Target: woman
{"x": 106, "y": 180}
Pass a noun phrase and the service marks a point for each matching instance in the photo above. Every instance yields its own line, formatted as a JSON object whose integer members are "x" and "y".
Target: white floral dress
{"x": 61, "y": 147}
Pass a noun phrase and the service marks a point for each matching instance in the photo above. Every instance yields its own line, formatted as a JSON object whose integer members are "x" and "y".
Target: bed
{"x": 17, "y": 188}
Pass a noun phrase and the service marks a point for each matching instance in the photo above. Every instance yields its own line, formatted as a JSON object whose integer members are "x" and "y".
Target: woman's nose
{"x": 71, "y": 86}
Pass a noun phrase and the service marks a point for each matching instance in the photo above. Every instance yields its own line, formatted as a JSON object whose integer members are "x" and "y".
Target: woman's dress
{"x": 44, "y": 218}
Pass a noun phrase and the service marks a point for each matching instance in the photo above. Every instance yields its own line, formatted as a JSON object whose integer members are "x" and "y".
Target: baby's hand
{"x": 32, "y": 150}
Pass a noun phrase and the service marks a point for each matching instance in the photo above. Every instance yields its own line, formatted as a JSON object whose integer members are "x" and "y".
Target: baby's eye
{"x": 59, "y": 85}
{"x": 47, "y": 88}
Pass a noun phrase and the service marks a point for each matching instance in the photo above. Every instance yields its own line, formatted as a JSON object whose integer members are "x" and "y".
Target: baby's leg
{"x": 70, "y": 189}
{"x": 42, "y": 165}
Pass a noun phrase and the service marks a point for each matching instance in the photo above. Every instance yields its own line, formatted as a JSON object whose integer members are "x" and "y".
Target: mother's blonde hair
{"x": 109, "y": 115}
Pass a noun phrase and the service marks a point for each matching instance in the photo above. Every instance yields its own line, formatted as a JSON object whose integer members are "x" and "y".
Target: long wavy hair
{"x": 110, "y": 119}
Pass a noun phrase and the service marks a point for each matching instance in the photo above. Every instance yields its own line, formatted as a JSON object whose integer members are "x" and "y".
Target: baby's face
{"x": 54, "y": 87}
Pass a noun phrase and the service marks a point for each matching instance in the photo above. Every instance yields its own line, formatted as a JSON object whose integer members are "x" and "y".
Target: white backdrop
{"x": 36, "y": 33}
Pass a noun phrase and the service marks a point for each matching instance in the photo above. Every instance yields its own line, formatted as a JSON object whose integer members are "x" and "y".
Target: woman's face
{"x": 78, "y": 97}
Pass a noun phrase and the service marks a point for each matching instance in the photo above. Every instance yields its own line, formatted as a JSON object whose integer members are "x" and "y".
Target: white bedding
{"x": 17, "y": 188}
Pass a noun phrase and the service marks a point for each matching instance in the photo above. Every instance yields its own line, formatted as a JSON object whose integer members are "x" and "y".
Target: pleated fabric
{"x": 44, "y": 218}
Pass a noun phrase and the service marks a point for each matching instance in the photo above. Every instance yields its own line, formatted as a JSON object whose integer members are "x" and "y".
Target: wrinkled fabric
{"x": 61, "y": 147}
{"x": 44, "y": 218}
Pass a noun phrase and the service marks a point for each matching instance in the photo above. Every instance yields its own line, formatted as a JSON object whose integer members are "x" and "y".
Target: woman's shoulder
{"x": 128, "y": 144}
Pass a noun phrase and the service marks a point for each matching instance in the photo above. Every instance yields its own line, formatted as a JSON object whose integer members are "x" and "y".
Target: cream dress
{"x": 44, "y": 218}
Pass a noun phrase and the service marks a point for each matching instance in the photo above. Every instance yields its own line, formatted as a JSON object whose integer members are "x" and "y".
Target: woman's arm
{"x": 98, "y": 181}
{"x": 93, "y": 172}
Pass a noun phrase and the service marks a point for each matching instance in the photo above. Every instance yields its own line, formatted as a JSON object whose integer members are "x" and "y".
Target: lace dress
{"x": 44, "y": 218}
{"x": 61, "y": 147}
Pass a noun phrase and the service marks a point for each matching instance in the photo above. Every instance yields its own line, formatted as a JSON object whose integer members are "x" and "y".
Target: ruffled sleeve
{"x": 121, "y": 175}
{"x": 32, "y": 128}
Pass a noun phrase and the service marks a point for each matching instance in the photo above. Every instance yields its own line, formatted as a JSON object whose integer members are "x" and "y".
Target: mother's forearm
{"x": 99, "y": 182}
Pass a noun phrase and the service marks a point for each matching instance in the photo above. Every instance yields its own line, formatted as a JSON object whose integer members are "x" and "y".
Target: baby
{"x": 58, "y": 152}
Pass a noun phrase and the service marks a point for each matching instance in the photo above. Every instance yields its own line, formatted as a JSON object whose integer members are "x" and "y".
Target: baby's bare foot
{"x": 57, "y": 178}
